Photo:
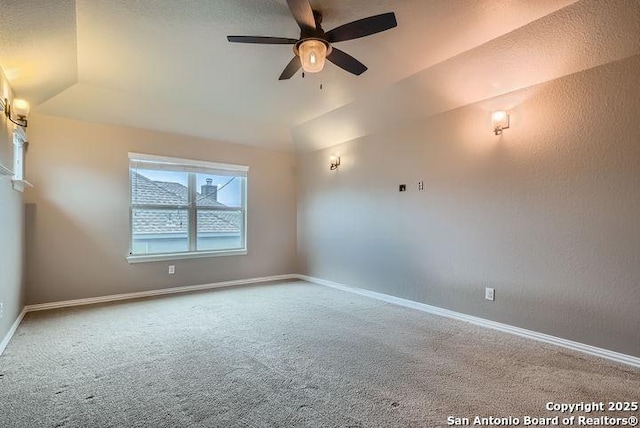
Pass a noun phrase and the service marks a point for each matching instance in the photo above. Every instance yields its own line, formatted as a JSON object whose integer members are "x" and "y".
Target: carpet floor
{"x": 288, "y": 354}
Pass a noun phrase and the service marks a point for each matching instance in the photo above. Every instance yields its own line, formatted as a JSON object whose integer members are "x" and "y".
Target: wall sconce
{"x": 500, "y": 121}
{"x": 335, "y": 162}
{"x": 20, "y": 109}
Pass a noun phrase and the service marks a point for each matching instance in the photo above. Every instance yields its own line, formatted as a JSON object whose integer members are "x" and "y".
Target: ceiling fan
{"x": 314, "y": 45}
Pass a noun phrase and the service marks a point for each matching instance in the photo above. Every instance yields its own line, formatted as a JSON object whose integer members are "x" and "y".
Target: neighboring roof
{"x": 150, "y": 192}
{"x": 176, "y": 221}
{"x": 157, "y": 221}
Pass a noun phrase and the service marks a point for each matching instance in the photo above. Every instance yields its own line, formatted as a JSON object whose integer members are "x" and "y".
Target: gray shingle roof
{"x": 149, "y": 192}
{"x": 156, "y": 221}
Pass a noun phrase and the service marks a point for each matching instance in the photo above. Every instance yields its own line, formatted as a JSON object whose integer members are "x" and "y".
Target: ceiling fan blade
{"x": 262, "y": 40}
{"x": 362, "y": 27}
{"x": 346, "y": 62}
{"x": 291, "y": 68}
{"x": 303, "y": 14}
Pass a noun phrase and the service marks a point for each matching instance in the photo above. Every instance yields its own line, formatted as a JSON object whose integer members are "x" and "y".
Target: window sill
{"x": 182, "y": 256}
{"x": 20, "y": 185}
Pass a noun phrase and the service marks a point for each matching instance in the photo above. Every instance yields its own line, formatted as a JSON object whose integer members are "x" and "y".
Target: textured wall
{"x": 11, "y": 229}
{"x": 78, "y": 218}
{"x": 578, "y": 37}
{"x": 548, "y": 213}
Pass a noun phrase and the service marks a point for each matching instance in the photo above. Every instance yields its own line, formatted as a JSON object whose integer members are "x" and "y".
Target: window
{"x": 182, "y": 208}
{"x": 19, "y": 147}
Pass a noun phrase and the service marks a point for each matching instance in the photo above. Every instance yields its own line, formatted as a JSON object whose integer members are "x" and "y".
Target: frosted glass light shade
{"x": 499, "y": 117}
{"x": 313, "y": 55}
{"x": 500, "y": 121}
{"x": 20, "y": 108}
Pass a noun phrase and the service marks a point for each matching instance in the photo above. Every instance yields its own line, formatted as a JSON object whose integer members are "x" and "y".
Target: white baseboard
{"x": 12, "y": 330}
{"x": 151, "y": 293}
{"x": 135, "y": 295}
{"x": 541, "y": 337}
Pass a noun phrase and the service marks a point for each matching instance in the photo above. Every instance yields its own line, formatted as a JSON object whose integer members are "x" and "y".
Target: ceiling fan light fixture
{"x": 314, "y": 46}
{"x": 313, "y": 54}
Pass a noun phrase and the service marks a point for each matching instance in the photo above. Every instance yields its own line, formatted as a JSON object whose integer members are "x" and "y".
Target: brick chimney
{"x": 210, "y": 190}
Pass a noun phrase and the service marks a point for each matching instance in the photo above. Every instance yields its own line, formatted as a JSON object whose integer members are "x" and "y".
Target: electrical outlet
{"x": 172, "y": 269}
{"x": 489, "y": 294}
{"x": 420, "y": 185}
{"x": 402, "y": 188}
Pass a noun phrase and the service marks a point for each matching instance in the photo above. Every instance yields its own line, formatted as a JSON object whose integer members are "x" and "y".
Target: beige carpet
{"x": 284, "y": 355}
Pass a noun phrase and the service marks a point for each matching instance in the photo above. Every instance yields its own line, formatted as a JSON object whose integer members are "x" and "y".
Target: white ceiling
{"x": 166, "y": 65}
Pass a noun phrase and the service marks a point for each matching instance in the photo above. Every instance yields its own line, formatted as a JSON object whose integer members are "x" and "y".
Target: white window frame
{"x": 17, "y": 174}
{"x": 164, "y": 163}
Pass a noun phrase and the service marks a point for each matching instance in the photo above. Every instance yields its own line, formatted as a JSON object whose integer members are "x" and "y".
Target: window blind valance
{"x": 144, "y": 161}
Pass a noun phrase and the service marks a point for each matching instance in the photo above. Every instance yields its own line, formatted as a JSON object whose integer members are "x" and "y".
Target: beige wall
{"x": 11, "y": 255}
{"x": 78, "y": 220}
{"x": 11, "y": 229}
{"x": 548, "y": 214}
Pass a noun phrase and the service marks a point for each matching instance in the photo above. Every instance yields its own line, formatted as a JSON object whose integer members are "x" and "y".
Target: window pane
{"x": 218, "y": 190}
{"x": 151, "y": 187}
{"x": 157, "y": 231}
{"x": 174, "y": 203}
{"x": 219, "y": 230}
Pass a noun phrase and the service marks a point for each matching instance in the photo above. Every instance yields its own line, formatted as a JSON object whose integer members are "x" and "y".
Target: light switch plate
{"x": 489, "y": 294}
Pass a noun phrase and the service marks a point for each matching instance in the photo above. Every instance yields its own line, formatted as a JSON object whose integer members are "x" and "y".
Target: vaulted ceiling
{"x": 166, "y": 65}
